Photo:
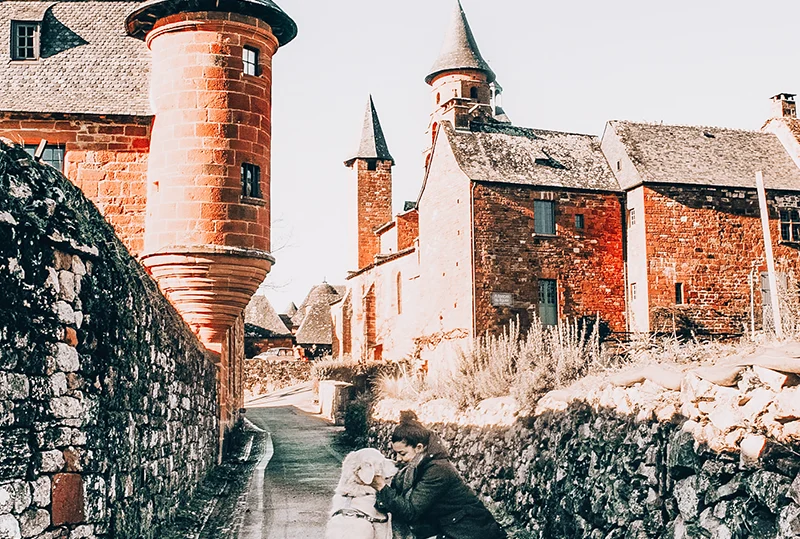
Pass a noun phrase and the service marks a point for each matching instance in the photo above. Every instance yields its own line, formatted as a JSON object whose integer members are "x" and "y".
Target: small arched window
{"x": 473, "y": 93}
{"x": 438, "y": 98}
{"x": 399, "y": 293}
{"x": 433, "y": 132}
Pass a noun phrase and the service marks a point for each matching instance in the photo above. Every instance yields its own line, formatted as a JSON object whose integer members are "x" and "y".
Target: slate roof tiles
{"x": 88, "y": 65}
{"x": 508, "y": 154}
{"x": 710, "y": 156}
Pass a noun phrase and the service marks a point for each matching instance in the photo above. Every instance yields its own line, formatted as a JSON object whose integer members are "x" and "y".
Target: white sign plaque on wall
{"x": 502, "y": 299}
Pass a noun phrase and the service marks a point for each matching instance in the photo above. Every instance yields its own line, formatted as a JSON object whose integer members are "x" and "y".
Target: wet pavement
{"x": 291, "y": 490}
{"x": 278, "y": 481}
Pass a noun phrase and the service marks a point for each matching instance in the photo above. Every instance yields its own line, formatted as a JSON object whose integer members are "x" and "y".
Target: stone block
{"x": 40, "y": 491}
{"x": 789, "y": 521}
{"x": 66, "y": 284}
{"x": 78, "y": 267}
{"x": 33, "y": 522}
{"x": 768, "y": 488}
{"x": 14, "y": 386}
{"x": 9, "y": 527}
{"x": 66, "y": 408}
{"x": 52, "y": 461}
{"x": 67, "y": 498}
{"x": 67, "y": 358}
{"x": 85, "y": 531}
{"x": 65, "y": 313}
{"x": 688, "y": 498}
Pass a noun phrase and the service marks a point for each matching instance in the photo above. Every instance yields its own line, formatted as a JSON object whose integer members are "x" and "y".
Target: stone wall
{"x": 716, "y": 274}
{"x": 586, "y": 262}
{"x": 108, "y": 414}
{"x": 680, "y": 452}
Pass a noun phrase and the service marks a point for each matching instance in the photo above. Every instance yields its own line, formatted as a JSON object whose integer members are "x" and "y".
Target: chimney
{"x": 784, "y": 106}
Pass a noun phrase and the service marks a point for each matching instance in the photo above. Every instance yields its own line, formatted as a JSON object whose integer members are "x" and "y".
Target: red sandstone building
{"x": 160, "y": 112}
{"x": 649, "y": 228}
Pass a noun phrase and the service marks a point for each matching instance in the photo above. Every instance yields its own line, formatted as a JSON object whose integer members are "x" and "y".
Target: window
{"x": 790, "y": 225}
{"x": 250, "y": 57}
{"x": 631, "y": 217}
{"x": 619, "y": 164}
{"x": 633, "y": 291}
{"x": 579, "y": 224}
{"x": 251, "y": 181}
{"x": 372, "y": 164}
{"x": 544, "y": 217}
{"x": 399, "y": 293}
{"x": 679, "y": 294}
{"x": 24, "y": 40}
{"x": 548, "y": 302}
{"x": 473, "y": 93}
{"x": 53, "y": 155}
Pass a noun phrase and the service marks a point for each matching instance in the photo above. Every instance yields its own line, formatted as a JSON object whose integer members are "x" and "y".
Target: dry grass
{"x": 507, "y": 364}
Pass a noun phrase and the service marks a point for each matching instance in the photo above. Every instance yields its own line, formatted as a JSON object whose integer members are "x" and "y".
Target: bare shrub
{"x": 524, "y": 367}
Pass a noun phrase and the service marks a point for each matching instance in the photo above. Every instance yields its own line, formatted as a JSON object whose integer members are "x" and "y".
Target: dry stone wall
{"x": 108, "y": 417}
{"x": 681, "y": 451}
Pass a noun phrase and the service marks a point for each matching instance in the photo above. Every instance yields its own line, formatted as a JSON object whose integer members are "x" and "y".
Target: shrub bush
{"x": 263, "y": 376}
{"x": 362, "y": 374}
{"x": 525, "y": 367}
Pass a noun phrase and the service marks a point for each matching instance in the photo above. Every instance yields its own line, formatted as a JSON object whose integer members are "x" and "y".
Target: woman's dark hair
{"x": 410, "y": 431}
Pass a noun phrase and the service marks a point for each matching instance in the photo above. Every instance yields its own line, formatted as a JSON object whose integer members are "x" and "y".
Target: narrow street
{"x": 293, "y": 484}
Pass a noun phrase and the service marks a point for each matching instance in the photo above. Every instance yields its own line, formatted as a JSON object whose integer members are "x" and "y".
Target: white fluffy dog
{"x": 353, "y": 514}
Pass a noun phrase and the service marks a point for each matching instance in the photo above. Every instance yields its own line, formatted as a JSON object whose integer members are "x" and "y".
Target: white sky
{"x": 567, "y": 65}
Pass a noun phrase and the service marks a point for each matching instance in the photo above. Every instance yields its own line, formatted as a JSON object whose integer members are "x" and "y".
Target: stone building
{"x": 649, "y": 228}
{"x": 160, "y": 112}
{"x": 264, "y": 328}
{"x": 313, "y": 320}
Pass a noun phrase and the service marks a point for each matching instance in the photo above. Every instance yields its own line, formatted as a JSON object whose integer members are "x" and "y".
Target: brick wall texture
{"x": 511, "y": 258}
{"x": 210, "y": 119}
{"x": 108, "y": 402}
{"x": 715, "y": 271}
{"x": 105, "y": 156}
{"x": 373, "y": 206}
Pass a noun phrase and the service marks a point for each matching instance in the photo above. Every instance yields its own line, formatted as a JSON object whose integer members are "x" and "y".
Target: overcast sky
{"x": 567, "y": 65}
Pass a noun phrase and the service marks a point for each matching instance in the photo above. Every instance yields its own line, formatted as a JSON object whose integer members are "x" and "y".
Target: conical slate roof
{"x": 291, "y": 309}
{"x": 259, "y": 313}
{"x": 322, "y": 294}
{"x": 459, "y": 51}
{"x": 373, "y": 143}
{"x": 144, "y": 17}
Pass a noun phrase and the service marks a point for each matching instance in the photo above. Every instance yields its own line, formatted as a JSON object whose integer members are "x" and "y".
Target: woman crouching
{"x": 428, "y": 495}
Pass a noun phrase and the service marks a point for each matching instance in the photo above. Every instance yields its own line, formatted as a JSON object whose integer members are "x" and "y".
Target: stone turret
{"x": 207, "y": 230}
{"x": 207, "y": 225}
{"x": 460, "y": 79}
{"x": 373, "y": 164}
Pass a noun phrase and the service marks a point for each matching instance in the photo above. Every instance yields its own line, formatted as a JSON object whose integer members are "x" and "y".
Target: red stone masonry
{"x": 715, "y": 271}
{"x": 374, "y": 206}
{"x": 210, "y": 119}
{"x": 510, "y": 258}
{"x": 106, "y": 156}
{"x": 407, "y": 229}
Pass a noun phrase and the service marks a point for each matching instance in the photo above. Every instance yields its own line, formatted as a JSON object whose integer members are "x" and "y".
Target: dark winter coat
{"x": 436, "y": 501}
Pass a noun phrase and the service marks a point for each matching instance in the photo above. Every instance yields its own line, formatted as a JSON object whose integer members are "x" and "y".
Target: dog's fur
{"x": 354, "y": 491}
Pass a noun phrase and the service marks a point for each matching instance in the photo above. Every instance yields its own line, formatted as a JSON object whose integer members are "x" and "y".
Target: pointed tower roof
{"x": 459, "y": 51}
{"x": 373, "y": 143}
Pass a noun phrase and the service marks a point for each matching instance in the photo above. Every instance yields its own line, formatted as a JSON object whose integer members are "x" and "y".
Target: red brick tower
{"x": 373, "y": 165}
{"x": 460, "y": 80}
{"x": 207, "y": 230}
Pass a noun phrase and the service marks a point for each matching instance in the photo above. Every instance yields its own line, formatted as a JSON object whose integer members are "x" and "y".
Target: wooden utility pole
{"x": 773, "y": 281}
